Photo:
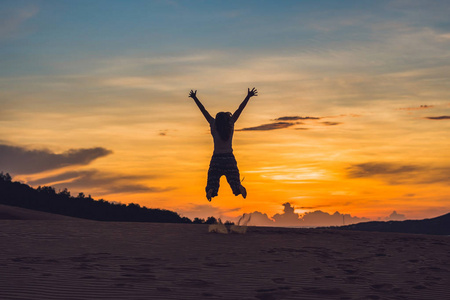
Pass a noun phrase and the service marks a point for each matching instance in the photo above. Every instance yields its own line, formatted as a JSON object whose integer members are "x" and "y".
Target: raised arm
{"x": 238, "y": 112}
{"x": 205, "y": 113}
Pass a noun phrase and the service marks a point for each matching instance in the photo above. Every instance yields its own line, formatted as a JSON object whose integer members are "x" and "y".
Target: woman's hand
{"x": 251, "y": 93}
{"x": 193, "y": 94}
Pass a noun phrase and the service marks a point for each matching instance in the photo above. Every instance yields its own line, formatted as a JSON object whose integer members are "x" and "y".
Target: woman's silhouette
{"x": 223, "y": 161}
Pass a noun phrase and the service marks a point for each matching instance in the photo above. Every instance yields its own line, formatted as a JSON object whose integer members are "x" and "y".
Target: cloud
{"x": 320, "y": 218}
{"x": 394, "y": 216}
{"x": 374, "y": 168}
{"x": 392, "y": 173}
{"x": 395, "y": 173}
{"x": 294, "y": 118}
{"x": 98, "y": 181}
{"x": 292, "y": 174}
{"x": 331, "y": 123}
{"x": 271, "y": 126}
{"x": 421, "y": 107}
{"x": 20, "y": 160}
{"x": 435, "y": 175}
{"x": 260, "y": 219}
{"x": 284, "y": 122}
{"x": 310, "y": 219}
{"x": 288, "y": 217}
{"x": 438, "y": 118}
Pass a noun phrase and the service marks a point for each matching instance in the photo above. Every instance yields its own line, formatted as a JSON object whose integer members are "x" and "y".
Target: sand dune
{"x": 8, "y": 212}
{"x": 99, "y": 260}
{"x": 437, "y": 226}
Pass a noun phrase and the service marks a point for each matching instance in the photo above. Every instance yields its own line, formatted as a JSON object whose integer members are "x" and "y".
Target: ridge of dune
{"x": 8, "y": 212}
{"x": 437, "y": 226}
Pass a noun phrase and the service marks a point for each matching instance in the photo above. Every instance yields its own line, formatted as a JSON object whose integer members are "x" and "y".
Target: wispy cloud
{"x": 100, "y": 182}
{"x": 331, "y": 123}
{"x": 438, "y": 118}
{"x": 291, "y": 174}
{"x": 294, "y": 118}
{"x": 421, "y": 107}
{"x": 396, "y": 173}
{"x": 10, "y": 23}
{"x": 371, "y": 169}
{"x": 20, "y": 160}
{"x": 285, "y": 122}
{"x": 270, "y": 126}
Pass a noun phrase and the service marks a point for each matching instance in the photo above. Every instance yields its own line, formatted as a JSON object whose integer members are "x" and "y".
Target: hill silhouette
{"x": 46, "y": 199}
{"x": 438, "y": 226}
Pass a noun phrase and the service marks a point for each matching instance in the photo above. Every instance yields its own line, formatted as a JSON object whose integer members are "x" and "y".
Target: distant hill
{"x": 46, "y": 199}
{"x": 438, "y": 226}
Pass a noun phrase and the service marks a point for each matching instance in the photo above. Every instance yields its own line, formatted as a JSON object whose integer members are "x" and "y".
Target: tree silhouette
{"x": 46, "y": 199}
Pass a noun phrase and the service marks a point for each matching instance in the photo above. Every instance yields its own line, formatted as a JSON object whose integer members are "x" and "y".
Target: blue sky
{"x": 39, "y": 31}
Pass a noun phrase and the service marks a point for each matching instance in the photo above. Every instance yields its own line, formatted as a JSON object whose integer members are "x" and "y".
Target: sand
{"x": 8, "y": 212}
{"x": 78, "y": 259}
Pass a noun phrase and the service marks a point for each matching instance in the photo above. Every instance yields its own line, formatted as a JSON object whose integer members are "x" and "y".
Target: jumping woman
{"x": 223, "y": 161}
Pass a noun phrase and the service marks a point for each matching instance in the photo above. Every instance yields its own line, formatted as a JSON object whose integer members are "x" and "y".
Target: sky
{"x": 352, "y": 117}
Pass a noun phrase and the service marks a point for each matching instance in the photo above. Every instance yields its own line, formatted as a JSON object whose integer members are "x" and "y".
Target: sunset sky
{"x": 353, "y": 112}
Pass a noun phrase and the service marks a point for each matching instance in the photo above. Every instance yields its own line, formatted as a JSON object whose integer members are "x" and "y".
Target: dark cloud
{"x": 375, "y": 168}
{"x": 331, "y": 123}
{"x": 271, "y": 126}
{"x": 164, "y": 132}
{"x": 435, "y": 175}
{"x": 417, "y": 107}
{"x": 310, "y": 219}
{"x": 295, "y": 118}
{"x": 438, "y": 118}
{"x": 20, "y": 160}
{"x": 395, "y": 173}
{"x": 285, "y": 122}
{"x": 392, "y": 173}
{"x": 99, "y": 181}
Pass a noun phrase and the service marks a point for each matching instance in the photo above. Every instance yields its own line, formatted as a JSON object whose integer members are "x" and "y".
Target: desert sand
{"x": 80, "y": 259}
{"x": 8, "y": 212}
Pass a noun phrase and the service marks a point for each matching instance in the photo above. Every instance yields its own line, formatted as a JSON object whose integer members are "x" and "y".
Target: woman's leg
{"x": 213, "y": 182}
{"x": 233, "y": 177}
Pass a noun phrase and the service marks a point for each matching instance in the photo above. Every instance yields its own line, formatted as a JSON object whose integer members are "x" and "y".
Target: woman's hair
{"x": 223, "y": 125}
